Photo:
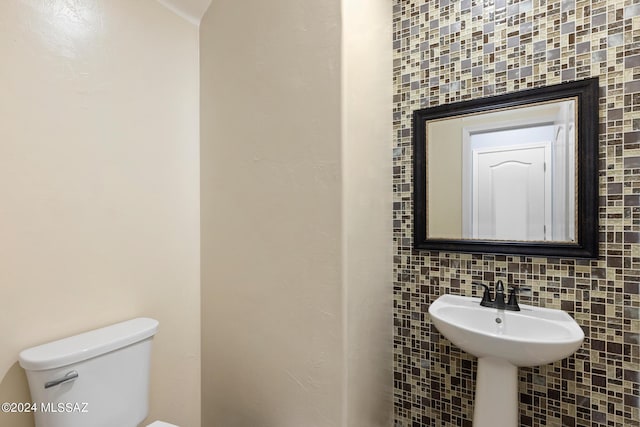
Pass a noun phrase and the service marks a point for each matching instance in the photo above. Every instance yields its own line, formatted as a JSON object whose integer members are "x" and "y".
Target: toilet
{"x": 98, "y": 378}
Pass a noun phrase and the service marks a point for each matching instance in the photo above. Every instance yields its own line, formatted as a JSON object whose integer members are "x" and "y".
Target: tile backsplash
{"x": 448, "y": 51}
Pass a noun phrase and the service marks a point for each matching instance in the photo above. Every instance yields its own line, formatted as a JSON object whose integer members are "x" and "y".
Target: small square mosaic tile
{"x": 448, "y": 51}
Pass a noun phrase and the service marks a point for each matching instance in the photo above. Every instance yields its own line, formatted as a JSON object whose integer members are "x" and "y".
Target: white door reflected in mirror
{"x": 511, "y": 200}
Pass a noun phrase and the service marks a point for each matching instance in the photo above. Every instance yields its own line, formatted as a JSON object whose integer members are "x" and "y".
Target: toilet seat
{"x": 161, "y": 424}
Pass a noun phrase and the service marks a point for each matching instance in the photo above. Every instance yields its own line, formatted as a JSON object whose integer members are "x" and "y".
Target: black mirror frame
{"x": 586, "y": 245}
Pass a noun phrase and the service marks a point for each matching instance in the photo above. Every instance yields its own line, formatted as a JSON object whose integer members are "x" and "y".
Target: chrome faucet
{"x": 498, "y": 302}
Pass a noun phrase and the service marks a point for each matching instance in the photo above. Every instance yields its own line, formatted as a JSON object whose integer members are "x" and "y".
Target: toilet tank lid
{"x": 87, "y": 345}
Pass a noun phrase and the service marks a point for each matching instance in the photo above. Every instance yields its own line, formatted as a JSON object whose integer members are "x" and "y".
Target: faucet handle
{"x": 486, "y": 295}
{"x": 512, "y": 303}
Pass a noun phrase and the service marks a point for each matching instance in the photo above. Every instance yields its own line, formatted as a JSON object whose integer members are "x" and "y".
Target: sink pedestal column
{"x": 496, "y": 401}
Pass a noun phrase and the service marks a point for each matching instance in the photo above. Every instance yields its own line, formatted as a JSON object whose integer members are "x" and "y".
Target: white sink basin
{"x": 503, "y": 340}
{"x": 530, "y": 337}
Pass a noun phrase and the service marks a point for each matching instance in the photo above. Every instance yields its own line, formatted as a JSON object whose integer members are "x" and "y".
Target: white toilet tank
{"x": 99, "y": 378}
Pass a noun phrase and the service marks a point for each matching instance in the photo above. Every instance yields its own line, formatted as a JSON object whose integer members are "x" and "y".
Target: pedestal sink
{"x": 502, "y": 341}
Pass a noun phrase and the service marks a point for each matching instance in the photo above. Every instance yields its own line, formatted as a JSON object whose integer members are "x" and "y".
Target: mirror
{"x": 515, "y": 173}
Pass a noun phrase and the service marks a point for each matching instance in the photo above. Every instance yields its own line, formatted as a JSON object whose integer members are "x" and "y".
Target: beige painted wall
{"x": 367, "y": 204}
{"x": 295, "y": 216}
{"x": 271, "y": 249}
{"x": 99, "y": 185}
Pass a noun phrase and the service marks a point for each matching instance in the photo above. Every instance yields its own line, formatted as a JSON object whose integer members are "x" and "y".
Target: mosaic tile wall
{"x": 448, "y": 51}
